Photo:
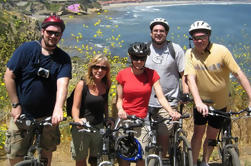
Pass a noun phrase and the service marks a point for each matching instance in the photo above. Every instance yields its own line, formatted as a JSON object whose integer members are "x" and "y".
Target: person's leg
{"x": 163, "y": 141}
{"x": 140, "y": 163}
{"x": 207, "y": 150}
{"x": 199, "y": 130}
{"x": 47, "y": 155}
{"x": 197, "y": 140}
{"x": 123, "y": 162}
{"x": 81, "y": 162}
{"x": 163, "y": 131}
{"x": 214, "y": 125}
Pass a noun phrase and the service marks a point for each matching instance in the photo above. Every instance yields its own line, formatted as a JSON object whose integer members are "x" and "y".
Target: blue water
{"x": 230, "y": 23}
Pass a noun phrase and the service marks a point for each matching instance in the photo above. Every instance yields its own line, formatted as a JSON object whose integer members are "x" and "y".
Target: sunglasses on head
{"x": 202, "y": 37}
{"x": 50, "y": 33}
{"x": 97, "y": 67}
{"x": 135, "y": 58}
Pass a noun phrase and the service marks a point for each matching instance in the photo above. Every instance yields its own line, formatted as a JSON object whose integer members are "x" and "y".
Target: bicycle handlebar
{"x": 214, "y": 112}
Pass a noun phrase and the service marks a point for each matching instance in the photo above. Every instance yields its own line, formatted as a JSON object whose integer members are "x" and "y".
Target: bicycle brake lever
{"x": 47, "y": 124}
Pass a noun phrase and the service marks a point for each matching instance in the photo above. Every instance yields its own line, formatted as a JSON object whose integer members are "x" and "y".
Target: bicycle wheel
{"x": 184, "y": 152}
{"x": 29, "y": 163}
{"x": 230, "y": 157}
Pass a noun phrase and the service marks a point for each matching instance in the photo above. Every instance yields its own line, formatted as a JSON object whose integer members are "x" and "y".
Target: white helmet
{"x": 159, "y": 21}
{"x": 200, "y": 25}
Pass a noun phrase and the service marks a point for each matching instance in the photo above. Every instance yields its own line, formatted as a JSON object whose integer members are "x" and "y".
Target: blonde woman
{"x": 90, "y": 104}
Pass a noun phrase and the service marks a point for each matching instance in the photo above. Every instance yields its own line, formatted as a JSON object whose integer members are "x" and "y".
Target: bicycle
{"x": 36, "y": 127}
{"x": 107, "y": 153}
{"x": 180, "y": 150}
{"x": 109, "y": 150}
{"x": 227, "y": 144}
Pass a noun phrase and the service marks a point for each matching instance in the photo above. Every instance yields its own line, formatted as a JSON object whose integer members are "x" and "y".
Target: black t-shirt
{"x": 37, "y": 94}
{"x": 94, "y": 107}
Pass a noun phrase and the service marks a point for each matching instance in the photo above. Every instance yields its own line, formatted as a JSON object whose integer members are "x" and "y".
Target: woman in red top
{"x": 134, "y": 89}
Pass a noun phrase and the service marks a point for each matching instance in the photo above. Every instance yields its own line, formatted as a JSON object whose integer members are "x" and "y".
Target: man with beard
{"x": 167, "y": 59}
{"x": 37, "y": 79}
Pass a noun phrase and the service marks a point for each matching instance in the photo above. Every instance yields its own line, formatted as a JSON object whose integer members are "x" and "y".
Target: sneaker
{"x": 203, "y": 163}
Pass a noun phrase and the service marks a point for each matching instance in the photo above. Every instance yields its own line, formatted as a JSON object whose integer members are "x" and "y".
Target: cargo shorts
{"x": 161, "y": 113}
{"x": 20, "y": 138}
{"x": 82, "y": 142}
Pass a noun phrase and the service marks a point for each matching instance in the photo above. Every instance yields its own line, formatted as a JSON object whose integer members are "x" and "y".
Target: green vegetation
{"x": 16, "y": 29}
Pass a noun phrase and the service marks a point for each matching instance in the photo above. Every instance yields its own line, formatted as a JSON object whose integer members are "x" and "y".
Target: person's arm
{"x": 245, "y": 84}
{"x": 201, "y": 107}
{"x": 121, "y": 113}
{"x": 163, "y": 101}
{"x": 77, "y": 99}
{"x": 185, "y": 88}
{"x": 9, "y": 79}
{"x": 62, "y": 89}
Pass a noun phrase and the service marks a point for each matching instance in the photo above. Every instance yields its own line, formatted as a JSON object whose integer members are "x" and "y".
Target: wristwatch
{"x": 14, "y": 105}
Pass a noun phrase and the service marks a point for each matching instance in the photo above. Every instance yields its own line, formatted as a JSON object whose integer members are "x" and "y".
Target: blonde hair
{"x": 95, "y": 60}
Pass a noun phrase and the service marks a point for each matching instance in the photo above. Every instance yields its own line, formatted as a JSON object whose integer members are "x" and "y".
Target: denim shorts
{"x": 19, "y": 139}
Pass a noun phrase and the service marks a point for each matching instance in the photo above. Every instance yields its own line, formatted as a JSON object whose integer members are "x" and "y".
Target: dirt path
{"x": 62, "y": 157}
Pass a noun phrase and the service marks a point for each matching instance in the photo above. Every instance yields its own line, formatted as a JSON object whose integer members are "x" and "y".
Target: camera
{"x": 42, "y": 72}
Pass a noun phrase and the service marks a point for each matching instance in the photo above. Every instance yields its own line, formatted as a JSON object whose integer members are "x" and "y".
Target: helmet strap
{"x": 207, "y": 48}
{"x": 133, "y": 66}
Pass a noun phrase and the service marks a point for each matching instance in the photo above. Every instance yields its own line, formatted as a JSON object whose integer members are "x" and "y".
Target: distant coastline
{"x": 173, "y": 2}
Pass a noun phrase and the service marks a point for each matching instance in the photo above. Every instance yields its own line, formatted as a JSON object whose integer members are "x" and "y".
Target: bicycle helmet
{"x": 200, "y": 26}
{"x": 128, "y": 148}
{"x": 53, "y": 20}
{"x": 159, "y": 21}
{"x": 139, "y": 49}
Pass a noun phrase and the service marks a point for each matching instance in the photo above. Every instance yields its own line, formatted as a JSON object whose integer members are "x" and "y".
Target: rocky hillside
{"x": 45, "y": 7}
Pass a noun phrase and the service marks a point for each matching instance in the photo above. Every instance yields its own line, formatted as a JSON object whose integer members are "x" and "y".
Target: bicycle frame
{"x": 227, "y": 144}
{"x": 153, "y": 150}
{"x": 179, "y": 135}
{"x": 36, "y": 128}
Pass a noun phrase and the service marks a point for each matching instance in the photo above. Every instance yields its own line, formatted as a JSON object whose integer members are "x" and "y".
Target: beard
{"x": 158, "y": 43}
{"x": 48, "y": 43}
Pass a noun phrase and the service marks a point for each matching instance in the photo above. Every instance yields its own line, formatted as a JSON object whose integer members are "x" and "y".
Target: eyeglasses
{"x": 202, "y": 37}
{"x": 135, "y": 58}
{"x": 97, "y": 67}
{"x": 50, "y": 33}
{"x": 159, "y": 31}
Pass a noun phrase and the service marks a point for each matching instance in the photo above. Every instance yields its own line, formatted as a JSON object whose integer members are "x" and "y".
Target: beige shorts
{"x": 19, "y": 139}
{"x": 163, "y": 129}
{"x": 84, "y": 141}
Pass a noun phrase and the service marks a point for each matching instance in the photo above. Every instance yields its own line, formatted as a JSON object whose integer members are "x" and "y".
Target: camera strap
{"x": 52, "y": 67}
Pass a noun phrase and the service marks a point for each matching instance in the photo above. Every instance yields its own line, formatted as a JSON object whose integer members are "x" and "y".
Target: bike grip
{"x": 184, "y": 116}
{"x": 135, "y": 125}
{"x": 75, "y": 124}
{"x": 132, "y": 117}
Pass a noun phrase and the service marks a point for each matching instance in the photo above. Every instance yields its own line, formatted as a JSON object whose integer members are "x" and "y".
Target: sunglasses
{"x": 97, "y": 67}
{"x": 50, "y": 33}
{"x": 134, "y": 58}
{"x": 202, "y": 37}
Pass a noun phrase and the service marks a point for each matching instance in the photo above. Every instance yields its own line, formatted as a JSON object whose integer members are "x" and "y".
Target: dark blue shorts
{"x": 213, "y": 121}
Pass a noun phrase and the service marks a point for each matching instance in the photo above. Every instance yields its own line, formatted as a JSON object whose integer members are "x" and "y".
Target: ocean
{"x": 116, "y": 28}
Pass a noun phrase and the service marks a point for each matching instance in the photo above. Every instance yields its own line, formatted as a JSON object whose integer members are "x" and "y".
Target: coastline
{"x": 173, "y": 2}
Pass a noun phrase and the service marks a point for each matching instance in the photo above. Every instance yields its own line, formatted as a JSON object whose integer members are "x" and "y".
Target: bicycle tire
{"x": 29, "y": 163}
{"x": 184, "y": 152}
{"x": 230, "y": 157}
